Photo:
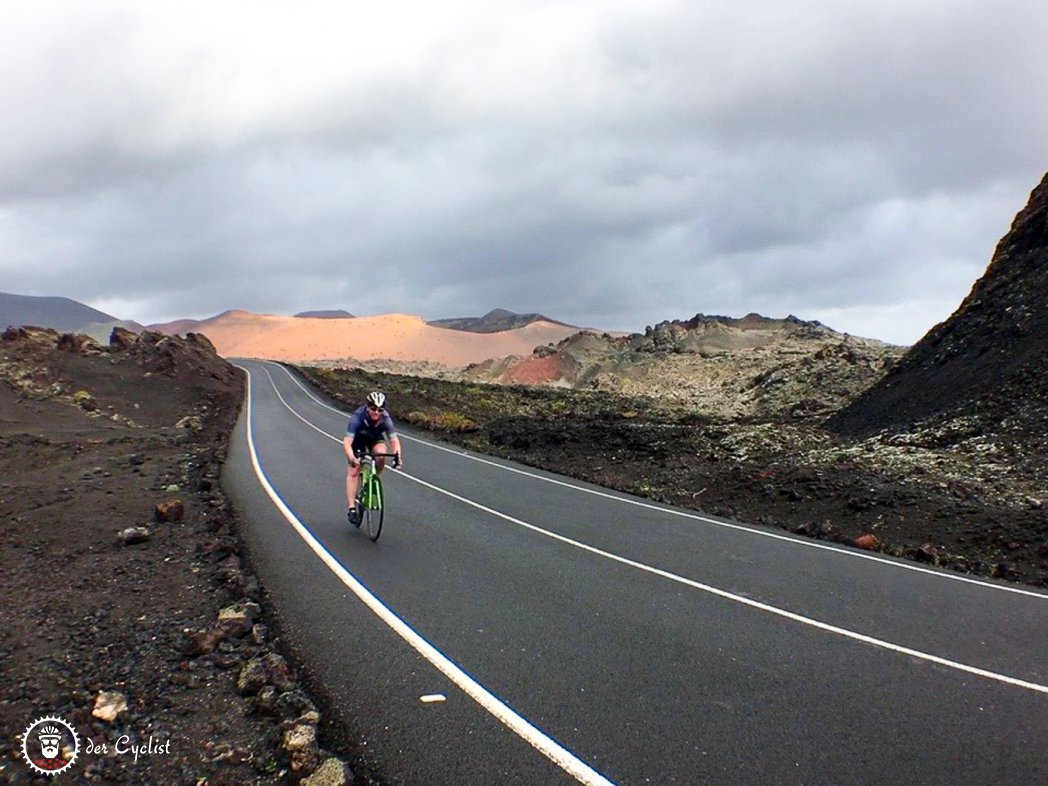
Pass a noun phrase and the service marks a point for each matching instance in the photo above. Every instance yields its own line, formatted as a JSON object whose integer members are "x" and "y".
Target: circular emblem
{"x": 47, "y": 742}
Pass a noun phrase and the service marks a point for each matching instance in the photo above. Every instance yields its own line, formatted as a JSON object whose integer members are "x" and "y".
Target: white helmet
{"x": 376, "y": 399}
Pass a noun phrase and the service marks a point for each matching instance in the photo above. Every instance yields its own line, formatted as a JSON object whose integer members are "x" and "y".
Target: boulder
{"x": 121, "y": 339}
{"x": 247, "y": 609}
{"x": 202, "y": 642}
{"x": 133, "y": 535}
{"x": 300, "y": 743}
{"x": 1005, "y": 570}
{"x": 109, "y": 705}
{"x": 234, "y": 622}
{"x": 40, "y": 336}
{"x": 294, "y": 704}
{"x": 927, "y": 553}
{"x": 170, "y": 510}
{"x": 79, "y": 343}
{"x": 269, "y": 669}
{"x": 331, "y": 772}
{"x": 868, "y": 542}
{"x": 252, "y": 678}
{"x": 266, "y": 701}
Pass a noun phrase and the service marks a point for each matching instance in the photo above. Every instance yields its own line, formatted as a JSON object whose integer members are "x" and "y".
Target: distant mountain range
{"x": 66, "y": 315}
{"x": 494, "y": 321}
{"x": 325, "y": 314}
{"x": 398, "y": 337}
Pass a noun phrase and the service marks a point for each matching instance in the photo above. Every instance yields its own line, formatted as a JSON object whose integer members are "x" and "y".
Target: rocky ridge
{"x": 711, "y": 365}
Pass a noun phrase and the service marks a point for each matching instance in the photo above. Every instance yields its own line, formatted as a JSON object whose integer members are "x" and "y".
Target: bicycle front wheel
{"x": 373, "y": 512}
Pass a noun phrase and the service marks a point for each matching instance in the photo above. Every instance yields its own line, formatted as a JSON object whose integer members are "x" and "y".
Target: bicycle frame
{"x": 370, "y": 484}
{"x": 369, "y": 496}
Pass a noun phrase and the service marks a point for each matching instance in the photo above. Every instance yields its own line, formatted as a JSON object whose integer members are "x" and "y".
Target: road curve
{"x": 578, "y": 635}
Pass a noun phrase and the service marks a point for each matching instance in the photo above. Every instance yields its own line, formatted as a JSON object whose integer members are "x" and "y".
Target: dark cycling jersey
{"x": 364, "y": 433}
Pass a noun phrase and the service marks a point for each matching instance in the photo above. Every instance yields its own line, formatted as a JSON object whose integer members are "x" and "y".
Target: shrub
{"x": 418, "y": 419}
{"x": 452, "y": 421}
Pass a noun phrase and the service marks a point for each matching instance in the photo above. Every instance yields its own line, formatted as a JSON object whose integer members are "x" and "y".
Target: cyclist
{"x": 368, "y": 427}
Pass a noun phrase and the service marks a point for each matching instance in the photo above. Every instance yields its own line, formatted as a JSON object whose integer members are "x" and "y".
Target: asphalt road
{"x": 578, "y": 635}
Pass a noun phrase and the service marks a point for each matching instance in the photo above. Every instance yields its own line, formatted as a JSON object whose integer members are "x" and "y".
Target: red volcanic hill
{"x": 393, "y": 336}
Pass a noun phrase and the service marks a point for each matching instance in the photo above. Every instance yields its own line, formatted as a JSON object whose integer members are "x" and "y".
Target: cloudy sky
{"x": 610, "y": 163}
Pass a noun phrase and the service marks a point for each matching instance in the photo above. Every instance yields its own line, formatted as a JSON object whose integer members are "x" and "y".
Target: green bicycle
{"x": 370, "y": 499}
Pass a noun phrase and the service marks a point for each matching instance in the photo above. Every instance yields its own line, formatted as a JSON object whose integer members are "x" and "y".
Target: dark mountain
{"x": 989, "y": 360}
{"x": 325, "y": 314}
{"x": 754, "y": 321}
{"x": 493, "y": 322}
{"x": 59, "y": 313}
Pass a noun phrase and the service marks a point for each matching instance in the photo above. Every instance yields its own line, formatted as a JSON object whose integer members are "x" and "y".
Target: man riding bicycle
{"x": 368, "y": 427}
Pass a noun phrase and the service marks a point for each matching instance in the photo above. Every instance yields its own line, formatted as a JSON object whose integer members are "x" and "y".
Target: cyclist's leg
{"x": 353, "y": 476}
{"x": 352, "y": 481}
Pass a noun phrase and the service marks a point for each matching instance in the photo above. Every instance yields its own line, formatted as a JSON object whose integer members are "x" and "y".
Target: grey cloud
{"x": 800, "y": 158}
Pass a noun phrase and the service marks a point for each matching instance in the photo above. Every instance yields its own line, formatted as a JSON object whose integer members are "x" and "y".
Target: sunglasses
{"x": 373, "y": 408}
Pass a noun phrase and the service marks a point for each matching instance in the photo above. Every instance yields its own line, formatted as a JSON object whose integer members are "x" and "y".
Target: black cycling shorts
{"x": 362, "y": 446}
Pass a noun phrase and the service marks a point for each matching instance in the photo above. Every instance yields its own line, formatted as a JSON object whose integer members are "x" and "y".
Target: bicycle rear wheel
{"x": 373, "y": 513}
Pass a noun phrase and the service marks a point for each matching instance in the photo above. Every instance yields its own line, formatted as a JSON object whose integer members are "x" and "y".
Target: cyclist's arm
{"x": 392, "y": 438}
{"x": 351, "y": 433}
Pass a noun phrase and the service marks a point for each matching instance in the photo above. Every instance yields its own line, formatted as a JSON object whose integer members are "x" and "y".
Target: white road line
{"x": 560, "y": 755}
{"x": 853, "y": 553}
{"x": 809, "y": 621}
